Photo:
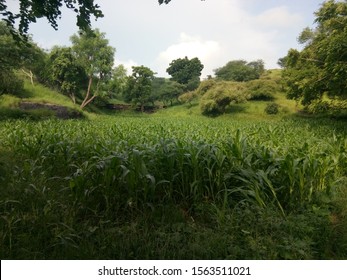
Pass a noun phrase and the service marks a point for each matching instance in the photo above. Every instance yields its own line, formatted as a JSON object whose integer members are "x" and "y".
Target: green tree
{"x": 16, "y": 55}
{"x": 139, "y": 86}
{"x": 31, "y": 10}
{"x": 96, "y": 57}
{"x": 166, "y": 90}
{"x": 10, "y": 52}
{"x": 240, "y": 70}
{"x": 321, "y": 67}
{"x": 118, "y": 82}
{"x": 186, "y": 71}
{"x": 65, "y": 72}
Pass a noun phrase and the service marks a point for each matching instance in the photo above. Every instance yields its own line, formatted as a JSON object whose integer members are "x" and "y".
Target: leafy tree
{"x": 166, "y": 90}
{"x": 15, "y": 55}
{"x": 96, "y": 57}
{"x": 31, "y": 10}
{"x": 117, "y": 84}
{"x": 186, "y": 72}
{"x": 139, "y": 86}
{"x": 240, "y": 70}
{"x": 321, "y": 67}
{"x": 65, "y": 72}
{"x": 10, "y": 52}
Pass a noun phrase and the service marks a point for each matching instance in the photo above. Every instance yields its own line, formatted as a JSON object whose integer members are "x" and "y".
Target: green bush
{"x": 328, "y": 107}
{"x": 209, "y": 107}
{"x": 262, "y": 89}
{"x": 219, "y": 97}
{"x": 205, "y": 86}
{"x": 10, "y": 83}
{"x": 272, "y": 109}
{"x": 187, "y": 97}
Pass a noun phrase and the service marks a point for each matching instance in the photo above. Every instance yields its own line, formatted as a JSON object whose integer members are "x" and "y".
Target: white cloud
{"x": 190, "y": 46}
{"x": 278, "y": 17}
{"x": 127, "y": 64}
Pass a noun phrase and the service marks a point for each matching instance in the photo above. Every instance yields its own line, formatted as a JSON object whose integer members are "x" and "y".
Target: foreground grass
{"x": 159, "y": 187}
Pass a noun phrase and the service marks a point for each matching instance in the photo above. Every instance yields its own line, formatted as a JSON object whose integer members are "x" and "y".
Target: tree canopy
{"x": 96, "y": 57}
{"x": 186, "y": 71}
{"x": 240, "y": 70}
{"x": 17, "y": 55}
{"x": 31, "y": 10}
{"x": 139, "y": 86}
{"x": 321, "y": 67}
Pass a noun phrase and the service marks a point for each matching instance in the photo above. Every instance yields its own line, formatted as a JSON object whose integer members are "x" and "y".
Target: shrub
{"x": 205, "y": 86}
{"x": 187, "y": 97}
{"x": 209, "y": 107}
{"x": 262, "y": 89}
{"x": 10, "y": 83}
{"x": 272, "y": 109}
{"x": 218, "y": 98}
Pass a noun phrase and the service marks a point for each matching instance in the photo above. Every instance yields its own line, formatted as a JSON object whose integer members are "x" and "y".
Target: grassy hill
{"x": 44, "y": 103}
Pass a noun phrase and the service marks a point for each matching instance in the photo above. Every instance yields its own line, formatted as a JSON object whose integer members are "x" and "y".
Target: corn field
{"x": 68, "y": 171}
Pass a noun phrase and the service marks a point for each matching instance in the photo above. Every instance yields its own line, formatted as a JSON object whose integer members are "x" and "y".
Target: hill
{"x": 38, "y": 102}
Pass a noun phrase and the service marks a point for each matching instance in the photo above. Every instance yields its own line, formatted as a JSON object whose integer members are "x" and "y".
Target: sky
{"x": 215, "y": 31}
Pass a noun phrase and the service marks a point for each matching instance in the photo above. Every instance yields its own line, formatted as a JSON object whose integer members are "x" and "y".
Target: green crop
{"x": 79, "y": 170}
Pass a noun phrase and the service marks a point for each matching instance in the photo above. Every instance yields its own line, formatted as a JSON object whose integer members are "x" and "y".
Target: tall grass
{"x": 65, "y": 181}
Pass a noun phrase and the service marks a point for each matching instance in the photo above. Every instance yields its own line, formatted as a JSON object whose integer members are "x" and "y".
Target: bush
{"x": 187, "y": 97}
{"x": 262, "y": 89}
{"x": 328, "y": 108}
{"x": 218, "y": 98}
{"x": 205, "y": 86}
{"x": 209, "y": 107}
{"x": 272, "y": 109}
{"x": 10, "y": 83}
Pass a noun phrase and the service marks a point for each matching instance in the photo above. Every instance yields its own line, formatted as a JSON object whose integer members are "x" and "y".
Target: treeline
{"x": 85, "y": 72}
{"x": 316, "y": 77}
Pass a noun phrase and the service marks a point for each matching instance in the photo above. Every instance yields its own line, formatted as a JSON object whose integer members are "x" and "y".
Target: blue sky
{"x": 216, "y": 31}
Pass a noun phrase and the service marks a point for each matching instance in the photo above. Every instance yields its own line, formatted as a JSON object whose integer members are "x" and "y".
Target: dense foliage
{"x": 217, "y": 97}
{"x": 321, "y": 67}
{"x": 166, "y": 90}
{"x": 186, "y": 71}
{"x": 65, "y": 73}
{"x": 31, "y": 10}
{"x": 220, "y": 97}
{"x": 240, "y": 70}
{"x": 17, "y": 55}
{"x": 139, "y": 86}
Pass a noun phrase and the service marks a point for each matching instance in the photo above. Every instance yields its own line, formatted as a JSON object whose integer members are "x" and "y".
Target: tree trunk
{"x": 73, "y": 97}
{"x": 30, "y": 75}
{"x": 87, "y": 100}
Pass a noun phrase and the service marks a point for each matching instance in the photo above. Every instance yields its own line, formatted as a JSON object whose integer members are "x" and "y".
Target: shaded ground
{"x": 59, "y": 111}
